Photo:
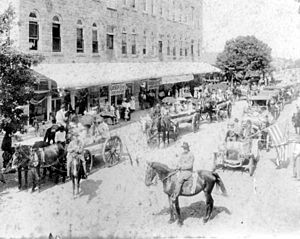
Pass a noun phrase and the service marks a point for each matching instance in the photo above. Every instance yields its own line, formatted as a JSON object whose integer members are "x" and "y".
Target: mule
{"x": 204, "y": 181}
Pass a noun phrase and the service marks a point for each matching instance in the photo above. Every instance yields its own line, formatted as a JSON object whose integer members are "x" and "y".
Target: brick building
{"x": 86, "y": 42}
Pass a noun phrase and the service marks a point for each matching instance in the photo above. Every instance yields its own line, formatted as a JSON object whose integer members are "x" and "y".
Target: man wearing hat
{"x": 61, "y": 118}
{"x": 185, "y": 168}
{"x": 75, "y": 149}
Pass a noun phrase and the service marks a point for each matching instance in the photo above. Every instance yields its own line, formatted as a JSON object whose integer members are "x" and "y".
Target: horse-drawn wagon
{"x": 215, "y": 110}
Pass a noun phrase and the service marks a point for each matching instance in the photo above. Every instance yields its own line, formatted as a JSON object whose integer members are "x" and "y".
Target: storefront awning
{"x": 175, "y": 79}
{"x": 83, "y": 75}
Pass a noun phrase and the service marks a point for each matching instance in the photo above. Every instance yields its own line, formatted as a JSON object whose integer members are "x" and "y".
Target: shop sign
{"x": 153, "y": 84}
{"x": 117, "y": 89}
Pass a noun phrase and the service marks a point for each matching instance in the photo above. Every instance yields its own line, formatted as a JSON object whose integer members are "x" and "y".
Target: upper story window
{"x": 95, "y": 45}
{"x": 168, "y": 45}
{"x": 174, "y": 46}
{"x": 79, "y": 40}
{"x": 110, "y": 37}
{"x": 133, "y": 46}
{"x": 152, "y": 7}
{"x": 144, "y": 3}
{"x": 124, "y": 41}
{"x": 56, "y": 38}
{"x": 199, "y": 45}
{"x": 186, "y": 49}
{"x": 192, "y": 15}
{"x": 168, "y": 9}
{"x": 153, "y": 44}
{"x": 192, "y": 47}
{"x": 160, "y": 8}
{"x": 145, "y": 43}
{"x": 173, "y": 10}
{"x": 133, "y": 3}
{"x": 33, "y": 31}
{"x": 180, "y": 47}
{"x": 180, "y": 13}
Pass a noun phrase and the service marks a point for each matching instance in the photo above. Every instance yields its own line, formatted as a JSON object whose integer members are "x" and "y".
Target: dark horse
{"x": 205, "y": 182}
{"x": 53, "y": 160}
{"x": 76, "y": 174}
{"x": 164, "y": 127}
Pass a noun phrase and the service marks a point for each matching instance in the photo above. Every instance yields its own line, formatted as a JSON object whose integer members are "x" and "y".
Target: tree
{"x": 16, "y": 78}
{"x": 244, "y": 57}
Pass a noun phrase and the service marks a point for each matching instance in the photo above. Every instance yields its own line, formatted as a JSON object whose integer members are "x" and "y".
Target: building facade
{"x": 83, "y": 40}
{"x": 111, "y": 30}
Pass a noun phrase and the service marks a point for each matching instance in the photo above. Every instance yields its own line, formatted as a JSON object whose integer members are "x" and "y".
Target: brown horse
{"x": 205, "y": 181}
{"x": 76, "y": 174}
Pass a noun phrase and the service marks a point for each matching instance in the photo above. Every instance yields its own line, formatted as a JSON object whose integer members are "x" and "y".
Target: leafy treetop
{"x": 243, "y": 56}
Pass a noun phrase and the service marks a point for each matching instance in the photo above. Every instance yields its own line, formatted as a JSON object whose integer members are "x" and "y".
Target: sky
{"x": 275, "y": 22}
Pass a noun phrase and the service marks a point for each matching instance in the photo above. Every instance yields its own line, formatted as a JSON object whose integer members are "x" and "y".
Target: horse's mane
{"x": 161, "y": 167}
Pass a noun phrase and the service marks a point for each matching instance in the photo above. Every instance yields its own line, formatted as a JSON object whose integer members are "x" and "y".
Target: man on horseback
{"x": 184, "y": 167}
{"x": 61, "y": 118}
{"x": 75, "y": 149}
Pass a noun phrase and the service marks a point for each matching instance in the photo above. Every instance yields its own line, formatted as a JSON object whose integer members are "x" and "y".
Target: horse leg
{"x": 209, "y": 206}
{"x": 172, "y": 218}
{"x": 73, "y": 184}
{"x": 179, "y": 222}
{"x": 26, "y": 176}
{"x": 78, "y": 184}
{"x": 20, "y": 178}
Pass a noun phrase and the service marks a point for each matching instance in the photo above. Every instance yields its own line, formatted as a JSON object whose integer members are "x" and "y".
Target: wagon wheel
{"x": 112, "y": 150}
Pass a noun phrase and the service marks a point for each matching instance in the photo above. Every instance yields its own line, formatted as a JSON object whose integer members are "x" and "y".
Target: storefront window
{"x": 94, "y": 96}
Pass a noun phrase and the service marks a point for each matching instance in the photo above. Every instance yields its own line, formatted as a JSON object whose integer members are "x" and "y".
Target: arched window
{"x": 153, "y": 44}
{"x": 124, "y": 41}
{"x": 174, "y": 46}
{"x": 199, "y": 45}
{"x": 133, "y": 46}
{"x": 110, "y": 37}
{"x": 192, "y": 47}
{"x": 33, "y": 31}
{"x": 181, "y": 47}
{"x": 145, "y": 43}
{"x": 56, "y": 38}
{"x": 168, "y": 45}
{"x": 80, "y": 40}
{"x": 95, "y": 48}
{"x": 186, "y": 48}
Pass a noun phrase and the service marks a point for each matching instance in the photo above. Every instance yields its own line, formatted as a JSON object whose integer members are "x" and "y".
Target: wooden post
{"x": 49, "y": 100}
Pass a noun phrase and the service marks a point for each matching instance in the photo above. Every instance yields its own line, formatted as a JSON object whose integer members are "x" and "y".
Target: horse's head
{"x": 150, "y": 174}
{"x": 21, "y": 156}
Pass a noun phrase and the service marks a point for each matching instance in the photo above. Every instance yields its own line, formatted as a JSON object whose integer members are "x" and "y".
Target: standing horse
{"x": 205, "y": 181}
{"x": 207, "y": 107}
{"x": 76, "y": 174}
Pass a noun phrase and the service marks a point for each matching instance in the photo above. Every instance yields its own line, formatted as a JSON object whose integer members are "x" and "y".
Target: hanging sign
{"x": 153, "y": 84}
{"x": 117, "y": 89}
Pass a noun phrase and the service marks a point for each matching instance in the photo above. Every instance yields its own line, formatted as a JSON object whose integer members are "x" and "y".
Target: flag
{"x": 278, "y": 137}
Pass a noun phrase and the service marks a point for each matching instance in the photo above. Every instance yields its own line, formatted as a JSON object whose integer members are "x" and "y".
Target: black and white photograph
{"x": 149, "y": 119}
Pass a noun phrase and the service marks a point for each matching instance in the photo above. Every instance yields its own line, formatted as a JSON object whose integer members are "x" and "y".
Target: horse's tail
{"x": 220, "y": 184}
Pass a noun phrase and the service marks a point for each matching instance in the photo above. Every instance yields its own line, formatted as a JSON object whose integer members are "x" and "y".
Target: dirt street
{"x": 115, "y": 201}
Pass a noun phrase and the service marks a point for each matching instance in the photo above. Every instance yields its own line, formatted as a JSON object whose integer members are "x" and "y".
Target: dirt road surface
{"x": 114, "y": 202}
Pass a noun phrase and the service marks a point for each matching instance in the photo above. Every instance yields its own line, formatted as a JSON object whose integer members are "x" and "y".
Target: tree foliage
{"x": 16, "y": 78}
{"x": 245, "y": 56}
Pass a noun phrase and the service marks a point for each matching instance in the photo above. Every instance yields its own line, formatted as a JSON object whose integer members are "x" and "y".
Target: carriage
{"x": 215, "y": 110}
{"x": 110, "y": 148}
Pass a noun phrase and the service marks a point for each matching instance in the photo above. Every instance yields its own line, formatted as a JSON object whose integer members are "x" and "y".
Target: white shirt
{"x": 60, "y": 117}
{"x": 60, "y": 136}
